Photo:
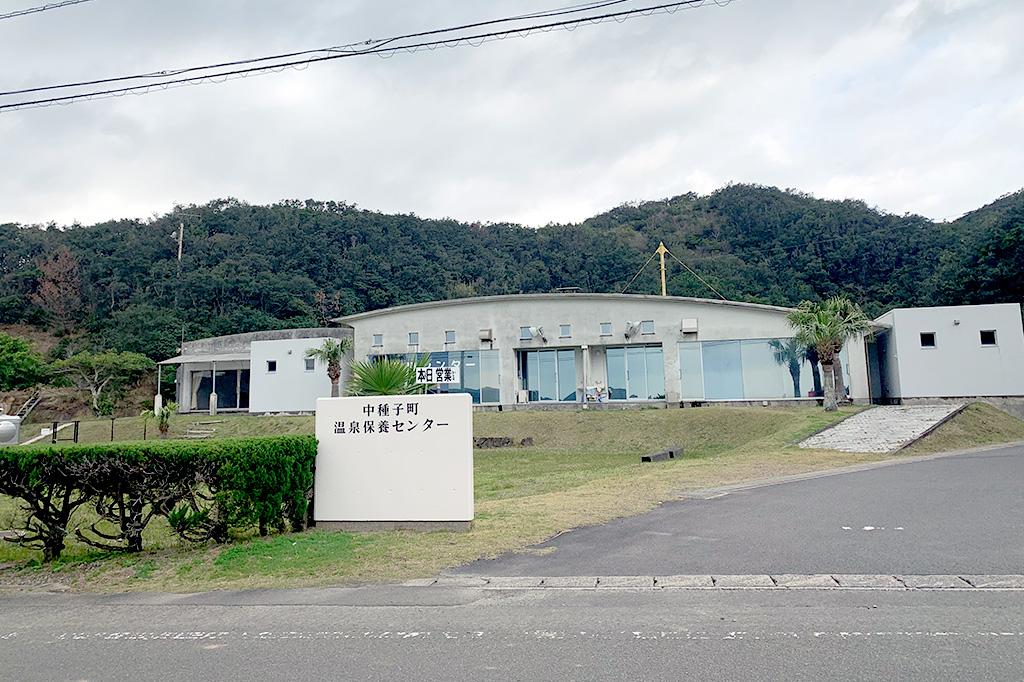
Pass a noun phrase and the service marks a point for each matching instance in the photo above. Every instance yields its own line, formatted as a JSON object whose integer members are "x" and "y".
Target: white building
{"x": 948, "y": 352}
{"x": 606, "y": 350}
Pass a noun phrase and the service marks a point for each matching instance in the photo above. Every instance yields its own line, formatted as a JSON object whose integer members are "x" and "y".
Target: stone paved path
{"x": 881, "y": 429}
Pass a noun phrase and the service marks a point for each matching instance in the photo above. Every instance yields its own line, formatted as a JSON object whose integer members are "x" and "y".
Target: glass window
{"x": 271, "y": 366}
{"x": 567, "y": 376}
{"x": 690, "y": 371}
{"x": 469, "y": 375}
{"x": 616, "y": 360}
{"x": 449, "y": 336}
{"x": 723, "y": 370}
{"x": 525, "y": 334}
{"x": 490, "y": 384}
{"x": 655, "y": 373}
{"x": 414, "y": 338}
{"x": 549, "y": 374}
{"x": 927, "y": 339}
{"x": 647, "y": 327}
{"x": 310, "y": 364}
{"x": 606, "y": 329}
{"x": 636, "y": 373}
{"x": 564, "y": 331}
{"x": 378, "y": 339}
{"x": 232, "y": 388}
{"x": 988, "y": 337}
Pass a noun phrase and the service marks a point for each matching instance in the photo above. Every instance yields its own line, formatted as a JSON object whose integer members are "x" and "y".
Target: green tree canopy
{"x": 20, "y": 366}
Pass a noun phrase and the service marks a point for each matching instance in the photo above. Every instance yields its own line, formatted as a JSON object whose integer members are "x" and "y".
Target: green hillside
{"x": 296, "y": 263}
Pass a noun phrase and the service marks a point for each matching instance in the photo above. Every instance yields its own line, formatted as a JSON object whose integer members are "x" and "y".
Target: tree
{"x": 103, "y": 374}
{"x": 827, "y": 326}
{"x": 332, "y": 352}
{"x": 20, "y": 366}
{"x": 386, "y": 376}
{"x": 791, "y": 354}
{"x": 59, "y": 290}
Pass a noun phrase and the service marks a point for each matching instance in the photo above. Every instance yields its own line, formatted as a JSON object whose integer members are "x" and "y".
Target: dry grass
{"x": 583, "y": 469}
{"x": 978, "y": 424}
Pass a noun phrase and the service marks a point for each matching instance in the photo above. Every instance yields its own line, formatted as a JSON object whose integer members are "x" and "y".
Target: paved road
{"x": 459, "y": 633}
{"x": 959, "y": 514}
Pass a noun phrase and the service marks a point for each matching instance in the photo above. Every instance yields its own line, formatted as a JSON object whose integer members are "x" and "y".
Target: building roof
{"x": 205, "y": 357}
{"x": 555, "y": 296}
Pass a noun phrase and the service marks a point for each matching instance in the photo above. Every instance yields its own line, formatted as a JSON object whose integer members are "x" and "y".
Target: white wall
{"x": 958, "y": 366}
{"x": 291, "y": 388}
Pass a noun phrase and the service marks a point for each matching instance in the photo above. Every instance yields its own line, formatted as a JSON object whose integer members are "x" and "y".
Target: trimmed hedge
{"x": 203, "y": 488}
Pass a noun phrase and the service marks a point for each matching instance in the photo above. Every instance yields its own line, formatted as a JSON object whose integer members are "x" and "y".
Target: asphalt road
{"x": 951, "y": 515}
{"x": 458, "y": 633}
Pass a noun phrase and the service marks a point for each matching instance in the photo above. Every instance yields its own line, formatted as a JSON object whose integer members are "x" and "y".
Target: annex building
{"x": 603, "y": 350}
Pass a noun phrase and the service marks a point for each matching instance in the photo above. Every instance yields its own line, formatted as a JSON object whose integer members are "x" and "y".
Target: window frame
{"x": 271, "y": 366}
{"x": 417, "y": 336}
{"x": 449, "y": 336}
{"x": 602, "y": 332}
{"x": 654, "y": 328}
{"x": 981, "y": 338}
{"x": 562, "y": 329}
{"x": 933, "y": 344}
{"x": 525, "y": 334}
{"x": 309, "y": 361}
{"x": 377, "y": 341}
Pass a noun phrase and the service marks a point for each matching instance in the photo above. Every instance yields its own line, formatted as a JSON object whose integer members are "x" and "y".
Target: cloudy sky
{"x": 911, "y": 105}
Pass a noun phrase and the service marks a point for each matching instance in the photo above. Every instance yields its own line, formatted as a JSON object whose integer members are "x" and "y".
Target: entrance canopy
{"x": 205, "y": 357}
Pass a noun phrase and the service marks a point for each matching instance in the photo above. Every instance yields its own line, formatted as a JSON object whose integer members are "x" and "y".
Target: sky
{"x": 914, "y": 106}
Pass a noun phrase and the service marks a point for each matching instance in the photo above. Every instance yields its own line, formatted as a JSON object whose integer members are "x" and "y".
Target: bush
{"x": 203, "y": 488}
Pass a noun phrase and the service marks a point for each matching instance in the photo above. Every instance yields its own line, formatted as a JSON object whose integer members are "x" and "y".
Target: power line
{"x": 474, "y": 40}
{"x": 41, "y": 8}
{"x": 366, "y": 45}
{"x": 694, "y": 273}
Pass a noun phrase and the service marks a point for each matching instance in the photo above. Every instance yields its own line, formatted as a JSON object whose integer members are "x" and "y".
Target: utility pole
{"x": 661, "y": 251}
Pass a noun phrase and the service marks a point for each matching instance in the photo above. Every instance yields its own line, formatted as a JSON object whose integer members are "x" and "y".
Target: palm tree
{"x": 790, "y": 353}
{"x": 812, "y": 357}
{"x": 332, "y": 352}
{"x": 848, "y": 310}
{"x": 386, "y": 376}
{"x": 827, "y": 326}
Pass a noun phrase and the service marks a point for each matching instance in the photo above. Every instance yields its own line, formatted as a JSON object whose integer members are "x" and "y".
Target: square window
{"x": 310, "y": 364}
{"x": 378, "y": 340}
{"x": 647, "y": 327}
{"x": 271, "y": 366}
{"x": 606, "y": 329}
{"x": 988, "y": 337}
{"x": 414, "y": 338}
{"x": 449, "y": 336}
{"x": 525, "y": 334}
{"x": 927, "y": 339}
{"x": 564, "y": 331}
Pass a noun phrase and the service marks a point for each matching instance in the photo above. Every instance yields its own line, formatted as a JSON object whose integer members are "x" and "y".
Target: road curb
{"x": 764, "y": 581}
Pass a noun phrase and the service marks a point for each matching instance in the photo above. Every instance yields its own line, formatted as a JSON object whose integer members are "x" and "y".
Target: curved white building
{"x": 605, "y": 348}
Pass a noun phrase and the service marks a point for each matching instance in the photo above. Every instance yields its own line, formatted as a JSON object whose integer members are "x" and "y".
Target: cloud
{"x": 912, "y": 106}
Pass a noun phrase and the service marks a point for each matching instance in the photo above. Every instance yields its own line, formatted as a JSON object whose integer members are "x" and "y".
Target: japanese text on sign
{"x": 388, "y": 418}
{"x": 437, "y": 375}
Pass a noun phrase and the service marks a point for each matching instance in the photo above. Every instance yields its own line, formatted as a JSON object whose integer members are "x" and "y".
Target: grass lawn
{"x": 583, "y": 469}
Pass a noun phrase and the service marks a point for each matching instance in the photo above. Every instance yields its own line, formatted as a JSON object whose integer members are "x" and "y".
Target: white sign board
{"x": 394, "y": 458}
{"x": 437, "y": 375}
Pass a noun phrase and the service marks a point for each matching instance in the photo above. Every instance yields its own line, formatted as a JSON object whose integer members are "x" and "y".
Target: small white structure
{"x": 257, "y": 372}
{"x": 388, "y": 462}
{"x": 963, "y": 351}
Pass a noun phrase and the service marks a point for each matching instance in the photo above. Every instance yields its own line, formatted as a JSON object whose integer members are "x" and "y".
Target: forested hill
{"x": 117, "y": 284}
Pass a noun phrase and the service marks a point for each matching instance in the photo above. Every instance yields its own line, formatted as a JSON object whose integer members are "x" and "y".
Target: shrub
{"x": 204, "y": 488}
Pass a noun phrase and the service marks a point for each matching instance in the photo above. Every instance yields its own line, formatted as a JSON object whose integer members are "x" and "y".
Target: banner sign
{"x": 437, "y": 375}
